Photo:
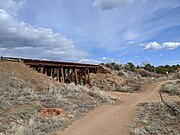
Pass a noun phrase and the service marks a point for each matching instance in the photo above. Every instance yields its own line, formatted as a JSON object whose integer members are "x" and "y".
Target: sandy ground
{"x": 115, "y": 119}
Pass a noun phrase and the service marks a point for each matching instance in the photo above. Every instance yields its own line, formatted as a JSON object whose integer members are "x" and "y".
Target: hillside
{"x": 123, "y": 80}
{"x": 32, "y": 103}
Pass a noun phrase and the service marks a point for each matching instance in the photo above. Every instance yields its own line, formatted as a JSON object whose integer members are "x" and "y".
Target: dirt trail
{"x": 114, "y": 119}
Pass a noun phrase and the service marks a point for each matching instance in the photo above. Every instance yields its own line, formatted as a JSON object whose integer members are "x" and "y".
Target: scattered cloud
{"x": 161, "y": 55}
{"x": 175, "y": 62}
{"x": 107, "y": 59}
{"x": 11, "y": 6}
{"x": 130, "y": 42}
{"x": 170, "y": 45}
{"x": 89, "y": 61}
{"x": 110, "y": 4}
{"x": 163, "y": 46}
{"x": 151, "y": 46}
{"x": 23, "y": 40}
{"x": 98, "y": 60}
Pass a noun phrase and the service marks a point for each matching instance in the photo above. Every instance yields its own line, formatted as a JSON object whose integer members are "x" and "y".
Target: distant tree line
{"x": 145, "y": 65}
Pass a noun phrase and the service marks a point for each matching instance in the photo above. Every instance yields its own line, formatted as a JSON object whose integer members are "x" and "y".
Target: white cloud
{"x": 99, "y": 60}
{"x": 23, "y": 40}
{"x": 175, "y": 61}
{"x": 170, "y": 45}
{"x": 107, "y": 59}
{"x": 151, "y": 45}
{"x": 130, "y": 42}
{"x": 163, "y": 46}
{"x": 89, "y": 61}
{"x": 110, "y": 4}
{"x": 11, "y": 6}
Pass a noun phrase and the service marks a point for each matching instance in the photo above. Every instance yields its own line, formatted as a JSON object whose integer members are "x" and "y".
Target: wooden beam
{"x": 68, "y": 74}
{"x": 52, "y": 74}
{"x": 72, "y": 75}
{"x": 82, "y": 73}
{"x": 88, "y": 76}
{"x": 68, "y": 78}
{"x": 41, "y": 69}
{"x": 97, "y": 70}
{"x": 62, "y": 74}
{"x": 57, "y": 70}
{"x": 85, "y": 77}
{"x": 76, "y": 76}
{"x": 44, "y": 70}
{"x": 48, "y": 72}
{"x": 59, "y": 74}
{"x": 56, "y": 65}
{"x": 37, "y": 69}
{"x": 64, "y": 70}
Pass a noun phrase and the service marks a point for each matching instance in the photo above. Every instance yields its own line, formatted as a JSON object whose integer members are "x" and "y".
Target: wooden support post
{"x": 41, "y": 70}
{"x": 85, "y": 77}
{"x": 37, "y": 69}
{"x": 62, "y": 74}
{"x": 47, "y": 71}
{"x": 88, "y": 76}
{"x": 44, "y": 70}
{"x": 57, "y": 70}
{"x": 59, "y": 74}
{"x": 72, "y": 75}
{"x": 76, "y": 76}
{"x": 64, "y": 71}
{"x": 52, "y": 76}
{"x": 68, "y": 75}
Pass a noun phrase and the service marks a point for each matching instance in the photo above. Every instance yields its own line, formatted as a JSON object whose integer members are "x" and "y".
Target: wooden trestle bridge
{"x": 65, "y": 72}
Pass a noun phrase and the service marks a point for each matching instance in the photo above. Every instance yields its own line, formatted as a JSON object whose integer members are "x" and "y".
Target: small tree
{"x": 150, "y": 68}
{"x": 144, "y": 63}
{"x": 138, "y": 67}
{"x": 131, "y": 66}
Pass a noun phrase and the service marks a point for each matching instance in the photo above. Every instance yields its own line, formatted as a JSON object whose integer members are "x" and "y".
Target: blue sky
{"x": 92, "y": 31}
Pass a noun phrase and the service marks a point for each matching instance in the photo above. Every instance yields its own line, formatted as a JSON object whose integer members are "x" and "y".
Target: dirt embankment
{"x": 32, "y": 103}
{"x": 107, "y": 82}
{"x": 36, "y": 81}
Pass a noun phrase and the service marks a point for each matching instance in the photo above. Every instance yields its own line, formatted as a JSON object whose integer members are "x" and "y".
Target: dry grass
{"x": 123, "y": 80}
{"x": 157, "y": 119}
{"x": 20, "y": 103}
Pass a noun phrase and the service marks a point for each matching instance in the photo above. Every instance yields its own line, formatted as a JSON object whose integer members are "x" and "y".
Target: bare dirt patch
{"x": 49, "y": 112}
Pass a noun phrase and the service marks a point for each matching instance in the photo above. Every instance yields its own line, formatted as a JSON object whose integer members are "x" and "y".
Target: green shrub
{"x": 171, "y": 88}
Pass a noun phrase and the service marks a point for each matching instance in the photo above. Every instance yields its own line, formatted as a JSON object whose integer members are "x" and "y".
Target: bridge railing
{"x": 9, "y": 59}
